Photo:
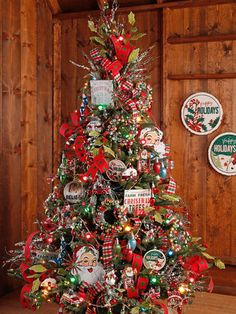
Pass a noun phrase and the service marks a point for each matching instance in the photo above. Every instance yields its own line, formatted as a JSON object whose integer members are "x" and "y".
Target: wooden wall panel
{"x": 44, "y": 103}
{"x": 11, "y": 126}
{"x": 209, "y": 195}
{"x": 26, "y": 119}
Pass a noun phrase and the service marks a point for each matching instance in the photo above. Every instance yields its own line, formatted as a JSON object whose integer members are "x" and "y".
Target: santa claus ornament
{"x": 86, "y": 265}
{"x": 152, "y": 137}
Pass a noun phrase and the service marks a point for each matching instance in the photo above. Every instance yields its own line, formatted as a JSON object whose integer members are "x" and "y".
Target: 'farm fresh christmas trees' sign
{"x": 222, "y": 153}
{"x": 201, "y": 113}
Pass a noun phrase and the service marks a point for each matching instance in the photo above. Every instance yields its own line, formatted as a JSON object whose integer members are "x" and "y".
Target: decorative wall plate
{"x": 201, "y": 113}
{"x": 222, "y": 153}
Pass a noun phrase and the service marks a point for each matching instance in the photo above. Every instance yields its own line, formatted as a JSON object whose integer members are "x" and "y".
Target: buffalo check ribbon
{"x": 107, "y": 251}
{"x": 171, "y": 188}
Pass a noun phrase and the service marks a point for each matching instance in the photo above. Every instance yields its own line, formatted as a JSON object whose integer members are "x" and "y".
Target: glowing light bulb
{"x": 72, "y": 279}
{"x": 127, "y": 228}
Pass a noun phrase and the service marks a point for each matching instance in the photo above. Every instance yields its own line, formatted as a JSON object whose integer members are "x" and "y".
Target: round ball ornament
{"x": 73, "y": 192}
{"x": 116, "y": 169}
{"x": 154, "y": 259}
{"x": 201, "y": 113}
{"x": 222, "y": 153}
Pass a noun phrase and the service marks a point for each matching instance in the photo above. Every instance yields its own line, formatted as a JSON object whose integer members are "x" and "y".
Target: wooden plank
{"x": 202, "y": 76}
{"x": 54, "y": 6}
{"x": 70, "y": 39}
{"x": 233, "y": 128}
{"x": 11, "y": 112}
{"x": 44, "y": 102}
{"x": 218, "y": 186}
{"x": 56, "y": 94}
{"x": 29, "y": 114}
{"x": 197, "y": 39}
{"x": 146, "y": 7}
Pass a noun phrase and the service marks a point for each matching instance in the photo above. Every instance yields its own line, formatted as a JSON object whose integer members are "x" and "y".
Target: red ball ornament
{"x": 152, "y": 201}
{"x": 157, "y": 167}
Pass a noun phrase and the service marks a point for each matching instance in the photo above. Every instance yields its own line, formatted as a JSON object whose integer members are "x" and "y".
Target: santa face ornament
{"x": 152, "y": 137}
{"x": 87, "y": 266}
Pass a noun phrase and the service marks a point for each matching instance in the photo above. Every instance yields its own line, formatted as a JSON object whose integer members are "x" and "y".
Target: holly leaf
{"x": 200, "y": 120}
{"x": 95, "y": 151}
{"x": 36, "y": 285}
{"x": 62, "y": 272}
{"x": 134, "y": 55}
{"x": 172, "y": 198}
{"x": 190, "y": 116}
{"x": 137, "y": 36}
{"x": 135, "y": 310}
{"x": 149, "y": 209}
{"x": 158, "y": 218}
{"x": 94, "y": 134}
{"x": 108, "y": 150}
{"x": 92, "y": 26}
{"x": 121, "y": 290}
{"x": 131, "y": 18}
{"x": 191, "y": 110}
{"x": 204, "y": 127}
{"x": 34, "y": 276}
{"x": 208, "y": 256}
{"x": 97, "y": 40}
{"x": 98, "y": 142}
{"x": 38, "y": 268}
{"x": 134, "y": 29}
{"x": 196, "y": 239}
{"x": 218, "y": 263}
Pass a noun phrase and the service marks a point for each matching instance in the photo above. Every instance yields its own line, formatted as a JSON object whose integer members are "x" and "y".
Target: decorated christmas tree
{"x": 115, "y": 238}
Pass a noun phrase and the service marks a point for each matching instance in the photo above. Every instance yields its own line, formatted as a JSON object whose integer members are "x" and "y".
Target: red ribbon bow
{"x": 99, "y": 164}
{"x": 66, "y": 130}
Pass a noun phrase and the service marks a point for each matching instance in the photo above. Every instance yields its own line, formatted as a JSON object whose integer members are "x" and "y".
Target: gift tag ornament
{"x": 201, "y": 113}
{"x": 154, "y": 259}
{"x": 73, "y": 192}
{"x": 116, "y": 168}
{"x": 222, "y": 153}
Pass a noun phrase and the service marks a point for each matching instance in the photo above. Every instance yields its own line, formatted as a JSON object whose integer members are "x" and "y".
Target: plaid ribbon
{"x": 107, "y": 251}
{"x": 171, "y": 186}
{"x": 95, "y": 54}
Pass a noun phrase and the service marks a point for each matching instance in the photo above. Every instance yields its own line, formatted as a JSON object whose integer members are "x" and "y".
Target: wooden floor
{"x": 204, "y": 303}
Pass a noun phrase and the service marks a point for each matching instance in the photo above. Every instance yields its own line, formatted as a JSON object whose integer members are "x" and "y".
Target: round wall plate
{"x": 222, "y": 153}
{"x": 201, "y": 113}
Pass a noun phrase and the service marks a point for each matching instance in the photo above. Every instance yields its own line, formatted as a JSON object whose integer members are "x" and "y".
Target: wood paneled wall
{"x": 210, "y": 196}
{"x": 26, "y": 119}
{"x": 40, "y": 88}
